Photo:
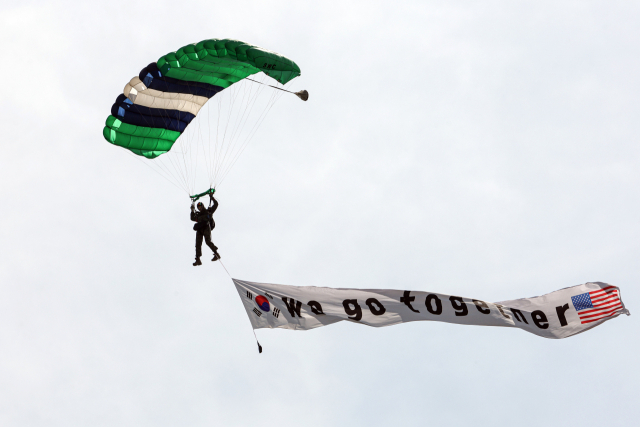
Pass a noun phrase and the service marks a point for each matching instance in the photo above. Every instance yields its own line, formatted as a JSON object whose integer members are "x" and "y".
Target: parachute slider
{"x": 194, "y": 198}
{"x": 302, "y": 94}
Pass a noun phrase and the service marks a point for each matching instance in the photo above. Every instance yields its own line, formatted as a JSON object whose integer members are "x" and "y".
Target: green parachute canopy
{"x": 158, "y": 104}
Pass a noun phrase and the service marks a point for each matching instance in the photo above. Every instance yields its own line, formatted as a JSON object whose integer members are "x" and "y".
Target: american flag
{"x": 595, "y": 305}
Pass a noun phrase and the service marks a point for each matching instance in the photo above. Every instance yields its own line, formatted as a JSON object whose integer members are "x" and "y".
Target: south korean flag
{"x": 263, "y": 309}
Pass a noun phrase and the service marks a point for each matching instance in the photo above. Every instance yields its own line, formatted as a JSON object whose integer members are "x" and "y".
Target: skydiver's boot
{"x": 198, "y": 262}
{"x": 216, "y": 256}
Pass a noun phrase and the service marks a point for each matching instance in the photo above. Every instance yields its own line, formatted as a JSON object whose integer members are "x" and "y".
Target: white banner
{"x": 559, "y": 314}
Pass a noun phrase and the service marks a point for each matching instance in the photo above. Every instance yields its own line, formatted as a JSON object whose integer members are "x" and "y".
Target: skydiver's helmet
{"x": 200, "y": 206}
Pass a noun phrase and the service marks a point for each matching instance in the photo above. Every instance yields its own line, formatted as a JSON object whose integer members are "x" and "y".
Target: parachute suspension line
{"x": 159, "y": 172}
{"x": 237, "y": 151}
{"x": 222, "y": 113}
{"x": 194, "y": 153}
{"x": 247, "y": 110}
{"x": 153, "y": 169}
{"x": 164, "y": 167}
{"x": 209, "y": 161}
{"x": 218, "y": 133}
{"x": 228, "y": 142}
{"x": 253, "y": 103}
{"x": 175, "y": 157}
{"x": 193, "y": 157}
{"x": 232, "y": 101}
{"x": 252, "y": 132}
{"x": 187, "y": 158}
{"x": 275, "y": 96}
{"x": 190, "y": 164}
{"x": 160, "y": 165}
{"x": 175, "y": 161}
{"x": 208, "y": 155}
{"x": 183, "y": 171}
{"x": 238, "y": 121}
{"x": 201, "y": 144}
{"x": 209, "y": 158}
{"x": 214, "y": 156}
{"x": 225, "y": 143}
{"x": 251, "y": 99}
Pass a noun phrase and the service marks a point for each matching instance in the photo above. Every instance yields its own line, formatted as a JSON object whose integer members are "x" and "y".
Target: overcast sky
{"x": 485, "y": 149}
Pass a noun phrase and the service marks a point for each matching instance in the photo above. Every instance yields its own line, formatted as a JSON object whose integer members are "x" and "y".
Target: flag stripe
{"x": 604, "y": 299}
{"x": 607, "y": 291}
{"x": 605, "y": 288}
{"x": 600, "y": 318}
{"x": 604, "y": 294}
{"x": 600, "y": 308}
{"x": 598, "y": 293}
{"x": 605, "y": 302}
{"x": 617, "y": 307}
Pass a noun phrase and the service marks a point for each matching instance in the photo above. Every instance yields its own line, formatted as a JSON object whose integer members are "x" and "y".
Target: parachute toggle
{"x": 197, "y": 196}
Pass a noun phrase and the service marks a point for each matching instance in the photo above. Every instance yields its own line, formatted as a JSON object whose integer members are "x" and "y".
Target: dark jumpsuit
{"x": 202, "y": 217}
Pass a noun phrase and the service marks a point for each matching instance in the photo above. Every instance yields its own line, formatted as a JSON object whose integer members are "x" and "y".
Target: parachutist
{"x": 204, "y": 223}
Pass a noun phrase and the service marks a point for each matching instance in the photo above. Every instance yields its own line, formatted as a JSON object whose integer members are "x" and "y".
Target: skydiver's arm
{"x": 213, "y": 208}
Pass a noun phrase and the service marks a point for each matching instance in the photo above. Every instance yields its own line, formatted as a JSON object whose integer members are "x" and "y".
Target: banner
{"x": 559, "y": 314}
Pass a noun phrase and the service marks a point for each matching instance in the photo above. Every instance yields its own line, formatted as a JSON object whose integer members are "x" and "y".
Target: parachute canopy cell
{"x": 157, "y": 105}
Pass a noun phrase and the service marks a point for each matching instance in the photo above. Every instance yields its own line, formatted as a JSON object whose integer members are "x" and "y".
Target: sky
{"x": 484, "y": 149}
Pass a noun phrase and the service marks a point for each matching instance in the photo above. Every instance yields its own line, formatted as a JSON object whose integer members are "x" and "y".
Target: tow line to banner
{"x": 252, "y": 330}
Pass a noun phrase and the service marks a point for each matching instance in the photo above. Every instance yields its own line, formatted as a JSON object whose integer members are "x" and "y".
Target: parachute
{"x": 151, "y": 117}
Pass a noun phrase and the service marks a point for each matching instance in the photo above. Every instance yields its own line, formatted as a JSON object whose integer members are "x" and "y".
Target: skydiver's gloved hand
{"x": 193, "y": 208}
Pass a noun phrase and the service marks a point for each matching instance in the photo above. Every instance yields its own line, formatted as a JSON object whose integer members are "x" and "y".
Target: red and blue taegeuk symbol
{"x": 263, "y": 303}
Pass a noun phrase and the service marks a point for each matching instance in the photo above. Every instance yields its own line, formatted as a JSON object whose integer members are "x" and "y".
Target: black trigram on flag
{"x": 249, "y": 295}
{"x": 257, "y": 312}
{"x": 276, "y": 312}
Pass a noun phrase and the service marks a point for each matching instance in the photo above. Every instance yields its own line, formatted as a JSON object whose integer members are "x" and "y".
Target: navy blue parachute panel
{"x": 152, "y": 78}
{"x": 138, "y": 115}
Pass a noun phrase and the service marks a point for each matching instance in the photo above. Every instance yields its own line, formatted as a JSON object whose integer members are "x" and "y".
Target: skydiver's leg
{"x": 199, "y": 236}
{"x": 207, "y": 239}
{"x": 214, "y": 248}
{"x": 198, "y": 248}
